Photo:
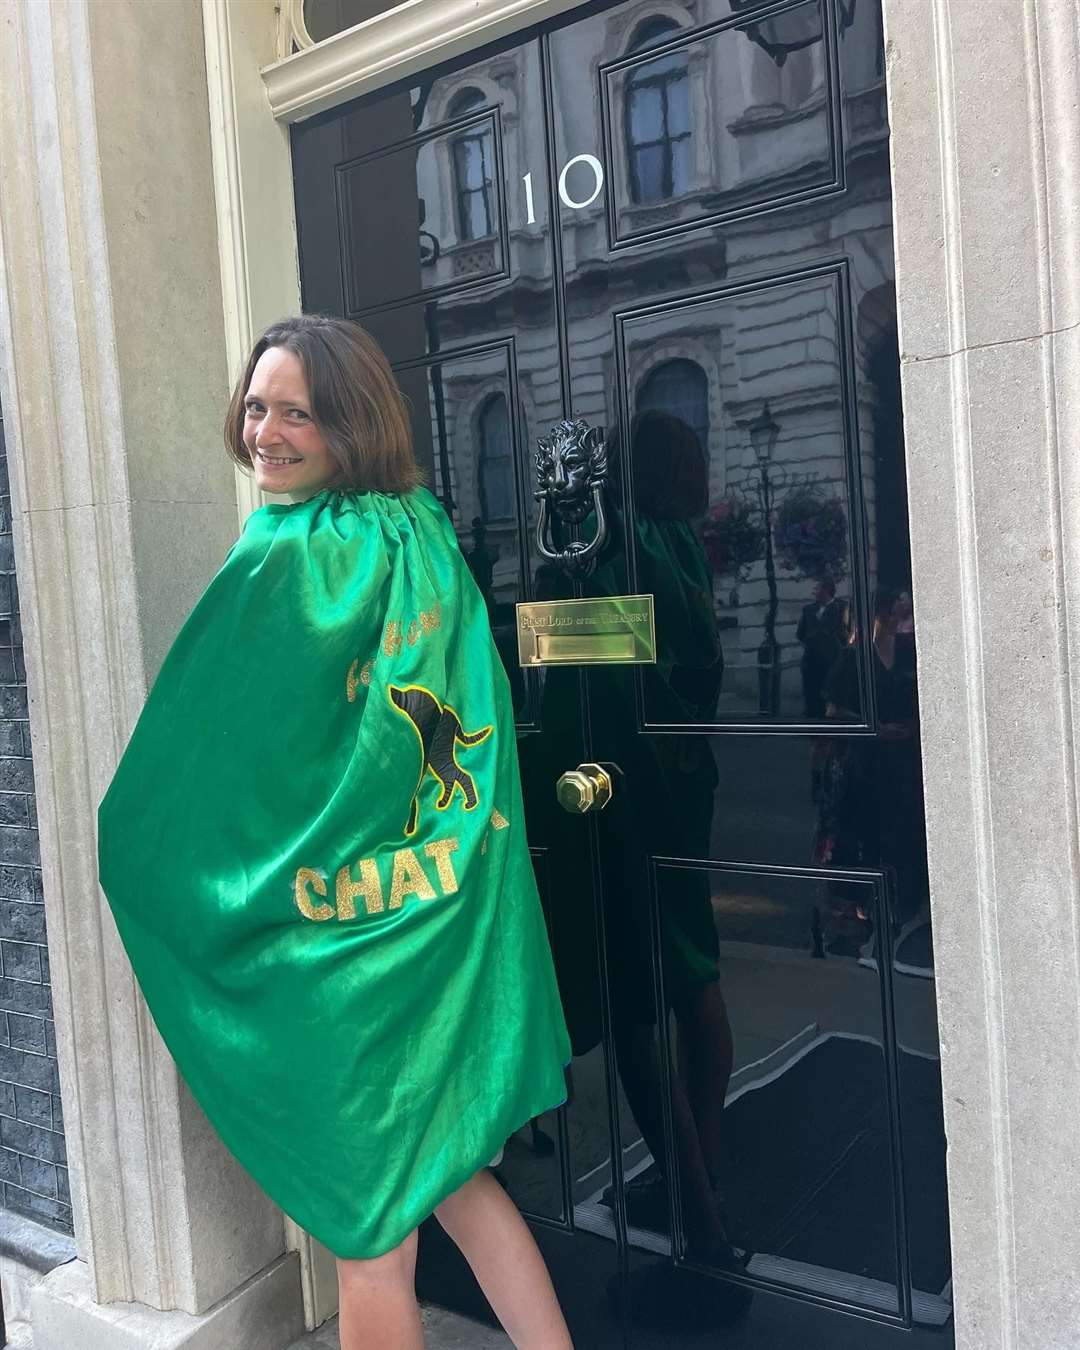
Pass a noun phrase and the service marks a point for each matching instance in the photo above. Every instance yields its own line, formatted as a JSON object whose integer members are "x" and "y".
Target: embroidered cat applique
{"x": 440, "y": 732}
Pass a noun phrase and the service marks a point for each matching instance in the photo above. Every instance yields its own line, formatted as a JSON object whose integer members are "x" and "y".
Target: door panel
{"x": 467, "y": 245}
{"x": 724, "y": 359}
{"x": 804, "y": 1132}
{"x": 674, "y": 221}
{"x": 668, "y": 82}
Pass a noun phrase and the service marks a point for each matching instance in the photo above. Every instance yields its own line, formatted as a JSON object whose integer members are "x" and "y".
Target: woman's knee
{"x": 399, "y": 1263}
{"x": 458, "y": 1201}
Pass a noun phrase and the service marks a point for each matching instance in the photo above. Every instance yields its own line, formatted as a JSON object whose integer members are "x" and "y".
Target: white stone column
{"x": 986, "y": 158}
{"x": 112, "y": 329}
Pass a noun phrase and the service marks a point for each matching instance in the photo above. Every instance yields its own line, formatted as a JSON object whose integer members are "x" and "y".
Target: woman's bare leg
{"x": 495, "y": 1240}
{"x": 709, "y": 1052}
{"x": 377, "y": 1301}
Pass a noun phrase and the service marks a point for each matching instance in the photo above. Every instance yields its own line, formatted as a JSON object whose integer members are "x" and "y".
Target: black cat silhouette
{"x": 440, "y": 732}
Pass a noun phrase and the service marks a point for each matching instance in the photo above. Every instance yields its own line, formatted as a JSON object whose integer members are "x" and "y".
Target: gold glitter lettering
{"x": 369, "y": 886}
{"x": 409, "y": 879}
{"x": 432, "y": 618}
{"x": 499, "y": 821}
{"x": 305, "y": 877}
{"x": 392, "y": 638}
{"x": 353, "y": 680}
{"x": 412, "y": 637}
{"x": 440, "y": 850}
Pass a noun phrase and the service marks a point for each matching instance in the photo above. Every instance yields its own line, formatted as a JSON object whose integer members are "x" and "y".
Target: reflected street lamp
{"x": 430, "y": 248}
{"x": 763, "y": 436}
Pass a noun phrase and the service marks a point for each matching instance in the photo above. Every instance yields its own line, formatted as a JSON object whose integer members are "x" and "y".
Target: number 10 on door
{"x": 574, "y": 203}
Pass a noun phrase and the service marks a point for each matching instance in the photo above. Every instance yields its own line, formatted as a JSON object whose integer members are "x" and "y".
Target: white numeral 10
{"x": 598, "y": 186}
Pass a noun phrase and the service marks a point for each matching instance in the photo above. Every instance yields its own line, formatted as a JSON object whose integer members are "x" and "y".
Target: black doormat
{"x": 809, "y": 1171}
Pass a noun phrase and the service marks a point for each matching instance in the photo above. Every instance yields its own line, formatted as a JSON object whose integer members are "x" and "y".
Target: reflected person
{"x": 822, "y": 633}
{"x": 664, "y": 807}
{"x": 869, "y": 791}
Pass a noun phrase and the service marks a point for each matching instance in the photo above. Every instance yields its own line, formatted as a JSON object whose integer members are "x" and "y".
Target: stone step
{"x": 442, "y": 1331}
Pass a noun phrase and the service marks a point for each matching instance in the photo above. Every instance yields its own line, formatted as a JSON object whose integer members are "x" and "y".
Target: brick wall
{"x": 33, "y": 1169}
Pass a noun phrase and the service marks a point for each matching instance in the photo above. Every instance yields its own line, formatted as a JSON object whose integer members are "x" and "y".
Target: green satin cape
{"x": 314, "y": 849}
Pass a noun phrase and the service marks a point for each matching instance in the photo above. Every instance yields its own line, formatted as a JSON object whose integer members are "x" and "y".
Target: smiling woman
{"x": 318, "y": 406}
{"x": 286, "y": 447}
{"x": 388, "y": 782}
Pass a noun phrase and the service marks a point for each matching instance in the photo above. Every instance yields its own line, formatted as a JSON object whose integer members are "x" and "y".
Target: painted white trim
{"x": 257, "y": 251}
{"x": 235, "y": 298}
{"x": 294, "y": 27}
{"x": 406, "y": 39}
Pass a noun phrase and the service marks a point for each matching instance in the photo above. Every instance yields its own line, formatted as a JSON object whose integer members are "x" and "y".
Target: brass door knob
{"x": 586, "y": 788}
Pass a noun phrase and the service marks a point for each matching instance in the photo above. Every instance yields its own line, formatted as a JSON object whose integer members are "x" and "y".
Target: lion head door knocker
{"x": 571, "y": 469}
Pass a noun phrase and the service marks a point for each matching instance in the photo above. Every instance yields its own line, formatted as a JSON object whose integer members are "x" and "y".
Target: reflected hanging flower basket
{"x": 810, "y": 534}
{"x": 733, "y": 536}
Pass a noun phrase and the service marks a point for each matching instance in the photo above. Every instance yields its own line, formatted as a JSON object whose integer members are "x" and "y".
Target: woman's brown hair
{"x": 355, "y": 402}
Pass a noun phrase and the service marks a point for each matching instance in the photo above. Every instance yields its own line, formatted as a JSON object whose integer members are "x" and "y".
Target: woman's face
{"x": 288, "y": 452}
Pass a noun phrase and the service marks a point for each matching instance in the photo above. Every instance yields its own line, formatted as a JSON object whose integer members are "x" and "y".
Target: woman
{"x": 314, "y": 850}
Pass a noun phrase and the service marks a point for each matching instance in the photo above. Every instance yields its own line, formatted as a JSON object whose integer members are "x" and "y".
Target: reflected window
{"x": 496, "y": 464}
{"x": 473, "y": 153}
{"x": 681, "y": 388}
{"x": 658, "y": 119}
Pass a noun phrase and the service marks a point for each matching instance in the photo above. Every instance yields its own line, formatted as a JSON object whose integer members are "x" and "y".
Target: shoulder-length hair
{"x": 355, "y": 402}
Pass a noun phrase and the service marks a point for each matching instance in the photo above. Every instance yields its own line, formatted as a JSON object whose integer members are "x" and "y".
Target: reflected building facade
{"x": 726, "y": 128}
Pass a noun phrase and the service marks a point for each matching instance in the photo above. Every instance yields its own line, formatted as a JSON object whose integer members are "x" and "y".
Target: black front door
{"x": 672, "y": 223}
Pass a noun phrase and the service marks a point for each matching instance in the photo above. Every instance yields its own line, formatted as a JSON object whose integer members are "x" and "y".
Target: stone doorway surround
{"x": 146, "y": 226}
